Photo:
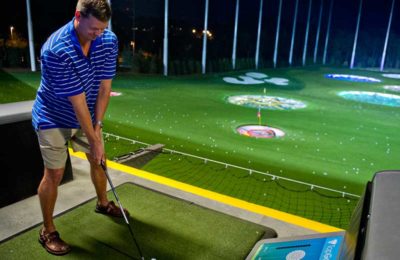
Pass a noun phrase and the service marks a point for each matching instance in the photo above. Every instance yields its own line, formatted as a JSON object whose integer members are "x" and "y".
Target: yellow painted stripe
{"x": 276, "y": 214}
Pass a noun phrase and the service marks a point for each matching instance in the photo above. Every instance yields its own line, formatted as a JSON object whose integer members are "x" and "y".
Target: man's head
{"x": 91, "y": 18}
{"x": 99, "y": 9}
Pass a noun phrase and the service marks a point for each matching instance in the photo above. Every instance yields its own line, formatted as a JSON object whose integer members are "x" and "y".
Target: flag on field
{"x": 259, "y": 115}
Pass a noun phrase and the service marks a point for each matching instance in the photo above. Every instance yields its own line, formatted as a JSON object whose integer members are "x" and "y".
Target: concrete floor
{"x": 24, "y": 214}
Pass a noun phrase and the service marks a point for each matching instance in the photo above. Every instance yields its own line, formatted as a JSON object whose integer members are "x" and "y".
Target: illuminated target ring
{"x": 115, "y": 94}
{"x": 391, "y": 76}
{"x": 353, "y": 78}
{"x": 266, "y": 102}
{"x": 394, "y": 88}
{"x": 260, "y": 131}
{"x": 372, "y": 97}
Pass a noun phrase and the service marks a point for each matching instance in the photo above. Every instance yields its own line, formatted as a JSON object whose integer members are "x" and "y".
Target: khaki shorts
{"x": 54, "y": 144}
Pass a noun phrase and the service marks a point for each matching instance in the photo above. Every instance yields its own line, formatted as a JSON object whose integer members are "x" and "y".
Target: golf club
{"x": 103, "y": 165}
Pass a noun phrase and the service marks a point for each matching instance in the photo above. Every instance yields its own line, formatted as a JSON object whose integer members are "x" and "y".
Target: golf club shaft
{"x": 113, "y": 190}
{"x": 103, "y": 165}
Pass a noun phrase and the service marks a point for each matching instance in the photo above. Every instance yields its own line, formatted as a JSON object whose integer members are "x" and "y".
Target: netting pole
{"x": 318, "y": 30}
{"x": 109, "y": 22}
{"x": 278, "y": 25}
{"x": 307, "y": 30}
{"x": 165, "y": 51}
{"x": 235, "y": 35}
{"x": 353, "y": 54}
{"x": 205, "y": 30}
{"x": 293, "y": 32}
{"x": 30, "y": 35}
{"x": 259, "y": 33}
{"x": 387, "y": 37}
{"x": 328, "y": 29}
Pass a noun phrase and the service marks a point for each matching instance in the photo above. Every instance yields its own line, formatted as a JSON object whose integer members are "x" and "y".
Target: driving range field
{"x": 304, "y": 124}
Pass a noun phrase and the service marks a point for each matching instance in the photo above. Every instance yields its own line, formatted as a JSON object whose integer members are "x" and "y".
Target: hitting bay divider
{"x": 141, "y": 157}
{"x": 251, "y": 171}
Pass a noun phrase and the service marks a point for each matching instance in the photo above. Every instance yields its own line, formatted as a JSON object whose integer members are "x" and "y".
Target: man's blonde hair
{"x": 100, "y": 9}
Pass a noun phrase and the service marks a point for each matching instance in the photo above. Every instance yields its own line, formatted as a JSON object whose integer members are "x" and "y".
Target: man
{"x": 78, "y": 63}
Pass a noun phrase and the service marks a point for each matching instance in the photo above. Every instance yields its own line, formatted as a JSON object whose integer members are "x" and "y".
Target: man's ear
{"x": 77, "y": 15}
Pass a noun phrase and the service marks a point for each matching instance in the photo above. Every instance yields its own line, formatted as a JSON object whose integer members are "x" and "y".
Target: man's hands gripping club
{"x": 92, "y": 132}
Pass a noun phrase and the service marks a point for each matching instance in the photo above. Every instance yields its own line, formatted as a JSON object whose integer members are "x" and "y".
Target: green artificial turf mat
{"x": 165, "y": 228}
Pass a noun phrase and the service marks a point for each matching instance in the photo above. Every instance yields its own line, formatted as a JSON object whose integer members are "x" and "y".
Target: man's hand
{"x": 94, "y": 136}
{"x": 97, "y": 151}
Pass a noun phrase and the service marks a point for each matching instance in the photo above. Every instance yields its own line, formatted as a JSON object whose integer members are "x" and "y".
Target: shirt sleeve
{"x": 110, "y": 63}
{"x": 61, "y": 76}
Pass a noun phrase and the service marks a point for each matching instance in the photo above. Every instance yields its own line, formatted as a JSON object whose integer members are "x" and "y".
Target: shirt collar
{"x": 72, "y": 32}
{"x": 74, "y": 37}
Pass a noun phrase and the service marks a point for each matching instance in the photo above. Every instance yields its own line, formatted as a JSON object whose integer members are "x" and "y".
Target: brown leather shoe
{"x": 111, "y": 210}
{"x": 53, "y": 243}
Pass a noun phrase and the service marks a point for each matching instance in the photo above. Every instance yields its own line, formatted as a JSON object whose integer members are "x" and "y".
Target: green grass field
{"x": 333, "y": 142}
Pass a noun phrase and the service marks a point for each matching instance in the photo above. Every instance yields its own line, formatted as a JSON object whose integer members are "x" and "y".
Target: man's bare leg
{"x": 47, "y": 192}
{"x": 99, "y": 180}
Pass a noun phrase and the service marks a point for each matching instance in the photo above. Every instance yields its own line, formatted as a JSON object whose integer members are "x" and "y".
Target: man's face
{"x": 89, "y": 28}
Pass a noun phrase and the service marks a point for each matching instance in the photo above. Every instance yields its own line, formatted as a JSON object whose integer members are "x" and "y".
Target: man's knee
{"x": 53, "y": 175}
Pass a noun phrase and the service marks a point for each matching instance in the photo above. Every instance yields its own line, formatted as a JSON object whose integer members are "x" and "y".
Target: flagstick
{"x": 265, "y": 91}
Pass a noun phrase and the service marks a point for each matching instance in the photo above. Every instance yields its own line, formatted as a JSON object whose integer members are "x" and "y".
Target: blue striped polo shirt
{"x": 67, "y": 72}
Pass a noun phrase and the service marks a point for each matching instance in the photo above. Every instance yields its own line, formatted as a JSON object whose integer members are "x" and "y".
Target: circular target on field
{"x": 260, "y": 131}
{"x": 266, "y": 102}
{"x": 353, "y": 78}
{"x": 391, "y": 76}
{"x": 394, "y": 88}
{"x": 372, "y": 97}
{"x": 115, "y": 94}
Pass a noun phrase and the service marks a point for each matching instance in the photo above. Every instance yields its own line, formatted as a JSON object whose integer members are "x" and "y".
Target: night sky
{"x": 48, "y": 15}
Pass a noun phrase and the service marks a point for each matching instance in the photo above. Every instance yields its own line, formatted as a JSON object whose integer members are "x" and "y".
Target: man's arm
{"x": 102, "y": 101}
{"x": 83, "y": 115}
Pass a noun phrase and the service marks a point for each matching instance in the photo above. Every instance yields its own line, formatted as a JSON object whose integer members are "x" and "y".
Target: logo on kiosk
{"x": 329, "y": 250}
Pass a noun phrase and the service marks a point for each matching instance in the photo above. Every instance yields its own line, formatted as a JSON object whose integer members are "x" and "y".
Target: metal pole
{"x": 165, "y": 51}
{"x": 109, "y": 22}
{"x": 204, "y": 57}
{"x": 306, "y": 37}
{"x": 278, "y": 25}
{"x": 387, "y": 37}
{"x": 353, "y": 54}
{"x": 328, "y": 28}
{"x": 133, "y": 43}
{"x": 235, "y": 35}
{"x": 259, "y": 34}
{"x": 293, "y": 33}
{"x": 318, "y": 30}
{"x": 30, "y": 35}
